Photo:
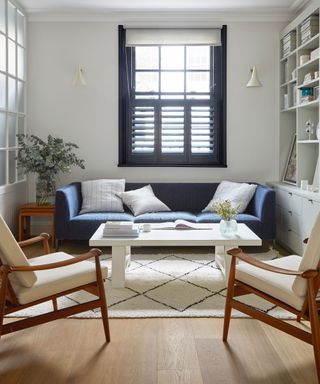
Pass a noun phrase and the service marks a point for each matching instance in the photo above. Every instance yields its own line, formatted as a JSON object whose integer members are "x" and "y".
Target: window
{"x": 12, "y": 89}
{"x": 172, "y": 103}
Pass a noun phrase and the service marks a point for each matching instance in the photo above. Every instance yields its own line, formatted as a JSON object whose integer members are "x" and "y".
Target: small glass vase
{"x": 228, "y": 227}
{"x": 45, "y": 191}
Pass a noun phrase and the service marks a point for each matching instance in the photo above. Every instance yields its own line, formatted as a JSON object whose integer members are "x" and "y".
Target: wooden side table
{"x": 29, "y": 210}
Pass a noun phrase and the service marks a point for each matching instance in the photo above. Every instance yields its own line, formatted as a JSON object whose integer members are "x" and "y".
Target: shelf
{"x": 309, "y": 63}
{"x": 310, "y": 104}
{"x": 308, "y": 141}
{"x": 312, "y": 43}
{"x": 290, "y": 109}
{"x": 311, "y": 83}
{"x": 288, "y": 82}
{"x": 286, "y": 57}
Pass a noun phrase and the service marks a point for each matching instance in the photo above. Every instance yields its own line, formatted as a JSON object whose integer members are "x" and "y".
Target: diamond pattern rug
{"x": 167, "y": 285}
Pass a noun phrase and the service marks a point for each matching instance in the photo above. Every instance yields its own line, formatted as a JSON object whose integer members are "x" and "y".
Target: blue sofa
{"x": 186, "y": 200}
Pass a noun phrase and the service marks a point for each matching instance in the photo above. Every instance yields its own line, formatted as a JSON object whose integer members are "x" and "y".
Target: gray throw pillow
{"x": 143, "y": 200}
{"x": 102, "y": 195}
{"x": 238, "y": 194}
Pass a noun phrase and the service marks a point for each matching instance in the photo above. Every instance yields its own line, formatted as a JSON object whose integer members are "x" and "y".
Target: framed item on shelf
{"x": 290, "y": 173}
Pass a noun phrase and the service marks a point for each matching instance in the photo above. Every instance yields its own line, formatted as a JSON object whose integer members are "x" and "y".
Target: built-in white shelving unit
{"x": 299, "y": 104}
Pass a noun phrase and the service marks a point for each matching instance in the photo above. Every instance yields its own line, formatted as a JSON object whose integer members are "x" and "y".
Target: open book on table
{"x": 180, "y": 224}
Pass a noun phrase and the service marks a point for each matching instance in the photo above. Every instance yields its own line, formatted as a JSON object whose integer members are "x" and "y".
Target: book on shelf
{"x": 180, "y": 224}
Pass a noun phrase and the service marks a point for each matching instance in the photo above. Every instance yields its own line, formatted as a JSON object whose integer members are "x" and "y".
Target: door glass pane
{"x": 20, "y": 62}
{"x": 3, "y": 167}
{"x": 172, "y": 82}
{"x": 12, "y": 167}
{"x": 2, "y": 91}
{"x": 20, "y": 28}
{"x": 147, "y": 57}
{"x": 198, "y": 57}
{"x": 11, "y": 21}
{"x": 172, "y": 57}
{"x": 2, "y": 53}
{"x": 20, "y": 96}
{"x": 2, "y": 16}
{"x": 11, "y": 94}
{"x": 20, "y": 124}
{"x": 3, "y": 130}
{"x": 198, "y": 81}
{"x": 11, "y": 57}
{"x": 11, "y": 119}
{"x": 147, "y": 81}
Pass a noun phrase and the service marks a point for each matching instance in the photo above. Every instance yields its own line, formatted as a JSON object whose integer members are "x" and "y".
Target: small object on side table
{"x": 29, "y": 210}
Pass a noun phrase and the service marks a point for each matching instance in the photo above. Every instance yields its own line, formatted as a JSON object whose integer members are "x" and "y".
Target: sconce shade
{"x": 78, "y": 77}
{"x": 254, "y": 79}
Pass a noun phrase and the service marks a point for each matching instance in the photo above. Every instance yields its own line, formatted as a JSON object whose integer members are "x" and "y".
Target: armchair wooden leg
{"x": 3, "y": 293}
{"x": 314, "y": 322}
{"x": 227, "y": 311}
{"x": 103, "y": 300}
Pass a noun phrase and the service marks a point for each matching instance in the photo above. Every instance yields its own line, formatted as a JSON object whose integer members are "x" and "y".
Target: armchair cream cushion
{"x": 53, "y": 281}
{"x": 274, "y": 284}
{"x": 310, "y": 259}
{"x": 12, "y": 255}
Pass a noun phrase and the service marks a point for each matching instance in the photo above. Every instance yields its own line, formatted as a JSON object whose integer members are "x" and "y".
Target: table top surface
{"x": 180, "y": 237}
{"x": 37, "y": 206}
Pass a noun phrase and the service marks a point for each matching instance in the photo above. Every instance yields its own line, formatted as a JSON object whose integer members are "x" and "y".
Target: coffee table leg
{"x": 120, "y": 260}
{"x": 223, "y": 261}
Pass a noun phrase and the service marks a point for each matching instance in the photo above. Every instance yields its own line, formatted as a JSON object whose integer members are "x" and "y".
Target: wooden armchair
{"x": 290, "y": 282}
{"x": 25, "y": 283}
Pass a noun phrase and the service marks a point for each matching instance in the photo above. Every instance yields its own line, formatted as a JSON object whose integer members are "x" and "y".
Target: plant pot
{"x": 228, "y": 227}
{"x": 45, "y": 191}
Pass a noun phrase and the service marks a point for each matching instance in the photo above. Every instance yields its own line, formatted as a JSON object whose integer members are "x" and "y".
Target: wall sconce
{"x": 254, "y": 79}
{"x": 78, "y": 77}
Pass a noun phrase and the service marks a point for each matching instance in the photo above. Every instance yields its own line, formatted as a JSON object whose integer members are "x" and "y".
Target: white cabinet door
{"x": 310, "y": 211}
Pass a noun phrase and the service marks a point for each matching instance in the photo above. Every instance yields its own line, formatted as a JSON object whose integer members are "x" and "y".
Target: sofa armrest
{"x": 264, "y": 207}
{"x": 67, "y": 205}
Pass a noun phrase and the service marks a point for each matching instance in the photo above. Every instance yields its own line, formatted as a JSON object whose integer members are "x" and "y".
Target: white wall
{"x": 89, "y": 115}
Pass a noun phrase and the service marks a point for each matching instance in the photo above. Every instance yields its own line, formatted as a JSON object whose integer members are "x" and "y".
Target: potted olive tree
{"x": 46, "y": 159}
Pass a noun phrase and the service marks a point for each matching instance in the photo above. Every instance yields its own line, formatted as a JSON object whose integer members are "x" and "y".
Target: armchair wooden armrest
{"x": 95, "y": 252}
{"x": 237, "y": 252}
{"x": 44, "y": 237}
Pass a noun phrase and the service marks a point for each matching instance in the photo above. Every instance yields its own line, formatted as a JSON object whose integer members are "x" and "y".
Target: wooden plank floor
{"x": 150, "y": 351}
{"x": 154, "y": 351}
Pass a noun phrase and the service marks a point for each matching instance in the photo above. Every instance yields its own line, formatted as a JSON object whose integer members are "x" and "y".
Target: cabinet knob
{"x": 310, "y": 201}
{"x": 290, "y": 193}
{"x": 289, "y": 230}
{"x": 290, "y": 212}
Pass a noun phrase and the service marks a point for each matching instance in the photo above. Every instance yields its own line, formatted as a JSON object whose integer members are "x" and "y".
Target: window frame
{"x": 18, "y": 113}
{"x": 217, "y": 102}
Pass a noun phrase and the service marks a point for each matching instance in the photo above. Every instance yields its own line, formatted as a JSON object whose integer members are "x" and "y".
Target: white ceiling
{"x": 266, "y": 6}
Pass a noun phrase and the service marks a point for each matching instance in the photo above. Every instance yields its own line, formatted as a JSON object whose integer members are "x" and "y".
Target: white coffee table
{"x": 121, "y": 247}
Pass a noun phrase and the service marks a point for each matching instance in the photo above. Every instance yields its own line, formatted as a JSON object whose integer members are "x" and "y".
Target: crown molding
{"x": 298, "y": 5}
{"x": 270, "y": 15}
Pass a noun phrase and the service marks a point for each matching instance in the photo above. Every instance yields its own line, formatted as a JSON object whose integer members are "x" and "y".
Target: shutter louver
{"x": 142, "y": 123}
{"x": 172, "y": 129}
{"x": 202, "y": 139}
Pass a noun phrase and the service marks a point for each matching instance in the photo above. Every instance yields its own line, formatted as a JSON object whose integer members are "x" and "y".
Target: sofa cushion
{"x": 101, "y": 195}
{"x": 239, "y": 194}
{"x": 160, "y": 217}
{"x": 143, "y": 200}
